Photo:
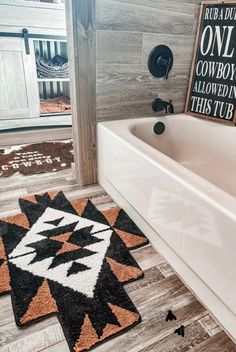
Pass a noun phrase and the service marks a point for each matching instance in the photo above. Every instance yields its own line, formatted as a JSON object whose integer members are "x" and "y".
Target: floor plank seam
{"x": 148, "y": 300}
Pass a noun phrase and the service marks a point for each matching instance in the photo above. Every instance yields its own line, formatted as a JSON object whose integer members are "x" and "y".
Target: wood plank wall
{"x": 80, "y": 19}
{"x": 18, "y": 14}
{"x": 127, "y": 30}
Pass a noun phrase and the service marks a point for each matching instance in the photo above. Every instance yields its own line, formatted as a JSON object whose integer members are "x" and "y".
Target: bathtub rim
{"x": 213, "y": 303}
{"x": 122, "y": 129}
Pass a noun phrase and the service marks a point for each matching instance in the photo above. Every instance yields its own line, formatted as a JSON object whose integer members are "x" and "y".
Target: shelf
{"x": 53, "y": 79}
{"x": 64, "y": 113}
{"x": 42, "y": 121}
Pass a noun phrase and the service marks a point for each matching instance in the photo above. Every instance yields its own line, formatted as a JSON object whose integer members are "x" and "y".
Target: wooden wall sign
{"x": 212, "y": 86}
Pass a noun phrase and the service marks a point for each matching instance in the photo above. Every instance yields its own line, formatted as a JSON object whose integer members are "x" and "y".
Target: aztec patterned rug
{"x": 59, "y": 254}
{"x": 30, "y": 159}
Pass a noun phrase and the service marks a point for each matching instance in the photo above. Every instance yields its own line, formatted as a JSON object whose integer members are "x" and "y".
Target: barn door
{"x": 18, "y": 80}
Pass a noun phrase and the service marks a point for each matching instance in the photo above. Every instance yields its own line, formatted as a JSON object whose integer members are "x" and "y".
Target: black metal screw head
{"x": 180, "y": 331}
{"x": 159, "y": 128}
{"x": 170, "y": 316}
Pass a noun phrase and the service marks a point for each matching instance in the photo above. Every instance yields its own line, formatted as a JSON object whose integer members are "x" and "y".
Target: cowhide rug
{"x": 29, "y": 159}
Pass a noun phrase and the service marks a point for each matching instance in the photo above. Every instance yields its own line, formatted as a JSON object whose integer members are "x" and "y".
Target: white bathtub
{"x": 180, "y": 188}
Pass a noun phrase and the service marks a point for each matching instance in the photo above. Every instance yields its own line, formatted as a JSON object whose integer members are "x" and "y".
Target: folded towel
{"x": 56, "y": 105}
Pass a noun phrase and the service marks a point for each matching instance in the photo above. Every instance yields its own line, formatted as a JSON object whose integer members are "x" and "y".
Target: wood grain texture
{"x": 125, "y": 88}
{"x": 18, "y": 84}
{"x": 127, "y": 91}
{"x": 153, "y": 326}
{"x": 165, "y": 269}
{"x": 194, "y": 333}
{"x": 126, "y": 32}
{"x": 50, "y": 179}
{"x": 34, "y": 338}
{"x": 209, "y": 325}
{"x": 119, "y": 47}
{"x": 12, "y": 193}
{"x": 73, "y": 192}
{"x": 148, "y": 289}
{"x": 197, "y": 11}
{"x": 16, "y": 138}
{"x": 159, "y": 291}
{"x": 181, "y": 46}
{"x": 220, "y": 342}
{"x": 80, "y": 18}
{"x": 12, "y": 12}
{"x": 148, "y": 258}
{"x": 6, "y": 310}
{"x": 145, "y": 16}
{"x": 59, "y": 347}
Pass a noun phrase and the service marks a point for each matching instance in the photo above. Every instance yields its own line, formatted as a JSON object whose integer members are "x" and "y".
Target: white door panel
{"x": 19, "y": 97}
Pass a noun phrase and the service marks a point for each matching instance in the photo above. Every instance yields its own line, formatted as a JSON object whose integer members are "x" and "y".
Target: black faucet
{"x": 159, "y": 105}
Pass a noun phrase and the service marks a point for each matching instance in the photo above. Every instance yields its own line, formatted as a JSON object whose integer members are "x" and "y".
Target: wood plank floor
{"x": 159, "y": 291}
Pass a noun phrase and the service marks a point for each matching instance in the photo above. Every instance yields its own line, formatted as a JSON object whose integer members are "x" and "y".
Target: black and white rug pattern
{"x": 69, "y": 259}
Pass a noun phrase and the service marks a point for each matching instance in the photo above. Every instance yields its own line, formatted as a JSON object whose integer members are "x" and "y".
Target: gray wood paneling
{"x": 81, "y": 34}
{"x": 221, "y": 340}
{"x": 194, "y": 334}
{"x": 181, "y": 46}
{"x": 119, "y": 47}
{"x": 14, "y": 138}
{"x": 125, "y": 88}
{"x": 160, "y": 16}
{"x": 12, "y": 12}
{"x": 126, "y": 91}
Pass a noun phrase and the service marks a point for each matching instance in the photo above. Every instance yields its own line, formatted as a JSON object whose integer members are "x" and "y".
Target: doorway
{"x": 35, "y": 107}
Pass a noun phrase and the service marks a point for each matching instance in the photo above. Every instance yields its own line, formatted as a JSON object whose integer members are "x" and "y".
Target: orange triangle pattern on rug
{"x": 125, "y": 228}
{"x": 70, "y": 259}
{"x": 124, "y": 273}
{"x": 88, "y": 337}
{"x": 19, "y": 220}
{"x": 42, "y": 304}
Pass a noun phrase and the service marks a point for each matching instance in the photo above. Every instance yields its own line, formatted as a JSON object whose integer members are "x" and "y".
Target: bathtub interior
{"x": 205, "y": 148}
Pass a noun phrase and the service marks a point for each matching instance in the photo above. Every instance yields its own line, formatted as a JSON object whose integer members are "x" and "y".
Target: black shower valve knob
{"x": 160, "y": 61}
